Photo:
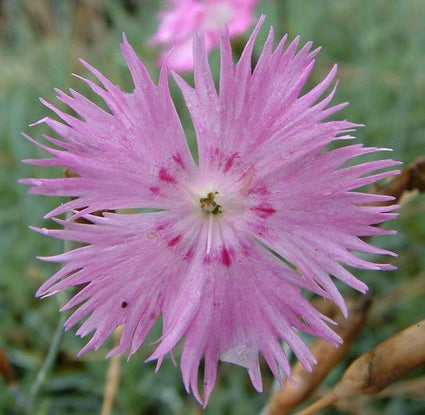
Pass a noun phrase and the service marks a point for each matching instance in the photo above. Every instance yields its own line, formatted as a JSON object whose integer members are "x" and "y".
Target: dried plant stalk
{"x": 6, "y": 369}
{"x": 327, "y": 356}
{"x": 412, "y": 178}
{"x": 112, "y": 379}
{"x": 375, "y": 370}
{"x": 391, "y": 359}
{"x": 412, "y": 389}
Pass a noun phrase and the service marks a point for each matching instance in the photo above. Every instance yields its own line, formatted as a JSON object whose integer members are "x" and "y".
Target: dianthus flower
{"x": 208, "y": 255}
{"x": 184, "y": 17}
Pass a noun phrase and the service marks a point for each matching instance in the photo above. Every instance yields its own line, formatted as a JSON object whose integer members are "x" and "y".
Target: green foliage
{"x": 380, "y": 47}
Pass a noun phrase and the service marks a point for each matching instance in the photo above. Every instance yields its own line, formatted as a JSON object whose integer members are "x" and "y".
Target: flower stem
{"x": 53, "y": 349}
{"x": 48, "y": 361}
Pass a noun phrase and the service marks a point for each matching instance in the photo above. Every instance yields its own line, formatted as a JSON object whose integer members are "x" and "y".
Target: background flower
{"x": 204, "y": 262}
{"x": 183, "y": 18}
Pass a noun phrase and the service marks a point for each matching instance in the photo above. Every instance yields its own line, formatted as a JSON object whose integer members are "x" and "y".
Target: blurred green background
{"x": 380, "y": 46}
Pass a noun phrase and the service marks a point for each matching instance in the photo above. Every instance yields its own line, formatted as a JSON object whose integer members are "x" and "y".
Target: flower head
{"x": 228, "y": 244}
{"x": 184, "y": 17}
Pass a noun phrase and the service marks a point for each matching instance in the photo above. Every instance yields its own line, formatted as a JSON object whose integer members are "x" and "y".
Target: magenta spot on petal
{"x": 165, "y": 177}
{"x": 225, "y": 257}
{"x": 161, "y": 226}
{"x": 264, "y": 211}
{"x": 175, "y": 240}
{"x": 247, "y": 249}
{"x": 229, "y": 162}
{"x": 178, "y": 159}
{"x": 189, "y": 255}
{"x": 154, "y": 189}
{"x": 260, "y": 190}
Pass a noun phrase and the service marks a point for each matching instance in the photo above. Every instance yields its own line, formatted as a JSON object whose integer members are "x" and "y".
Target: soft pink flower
{"x": 184, "y": 17}
{"x": 206, "y": 259}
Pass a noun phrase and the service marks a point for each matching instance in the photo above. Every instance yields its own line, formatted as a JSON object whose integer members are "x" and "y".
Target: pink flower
{"x": 206, "y": 259}
{"x": 184, "y": 17}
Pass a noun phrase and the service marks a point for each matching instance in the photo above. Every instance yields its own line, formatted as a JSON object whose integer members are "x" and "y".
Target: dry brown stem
{"x": 284, "y": 400}
{"x": 375, "y": 370}
{"x": 112, "y": 380}
{"x": 411, "y": 178}
{"x": 412, "y": 389}
{"x": 358, "y": 406}
{"x": 6, "y": 369}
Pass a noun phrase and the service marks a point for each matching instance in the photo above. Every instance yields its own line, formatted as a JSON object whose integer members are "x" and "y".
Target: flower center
{"x": 209, "y": 205}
